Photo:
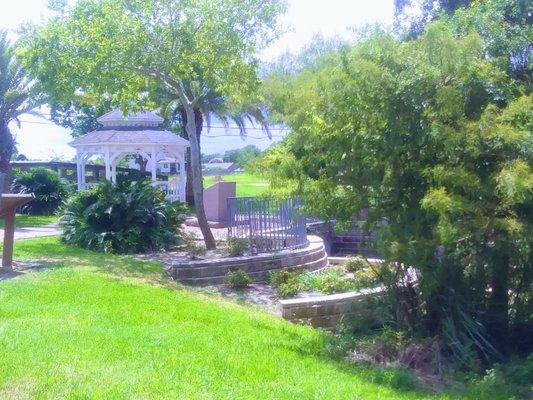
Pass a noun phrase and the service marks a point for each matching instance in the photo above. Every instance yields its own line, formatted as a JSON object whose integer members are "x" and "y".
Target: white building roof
{"x": 140, "y": 129}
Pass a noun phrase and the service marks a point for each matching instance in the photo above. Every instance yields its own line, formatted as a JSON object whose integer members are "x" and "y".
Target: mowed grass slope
{"x": 247, "y": 184}
{"x": 107, "y": 327}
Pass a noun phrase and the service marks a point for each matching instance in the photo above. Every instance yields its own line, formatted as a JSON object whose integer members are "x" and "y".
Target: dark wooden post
{"x": 8, "y": 205}
{"x": 9, "y": 238}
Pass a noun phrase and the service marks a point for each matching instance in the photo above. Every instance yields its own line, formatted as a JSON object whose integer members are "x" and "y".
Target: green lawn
{"x": 108, "y": 327}
{"x": 23, "y": 220}
{"x": 247, "y": 184}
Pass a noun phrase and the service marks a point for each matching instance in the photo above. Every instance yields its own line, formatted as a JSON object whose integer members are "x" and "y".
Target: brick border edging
{"x": 212, "y": 272}
{"x": 329, "y": 310}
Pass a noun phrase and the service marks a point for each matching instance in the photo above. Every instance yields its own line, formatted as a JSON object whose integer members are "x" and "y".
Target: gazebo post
{"x": 107, "y": 166}
{"x": 183, "y": 177}
{"x": 78, "y": 170}
{"x": 114, "y": 171}
{"x": 82, "y": 185}
{"x": 153, "y": 164}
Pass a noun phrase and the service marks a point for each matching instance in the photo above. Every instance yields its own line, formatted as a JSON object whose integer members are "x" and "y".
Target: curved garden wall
{"x": 212, "y": 272}
{"x": 328, "y": 311}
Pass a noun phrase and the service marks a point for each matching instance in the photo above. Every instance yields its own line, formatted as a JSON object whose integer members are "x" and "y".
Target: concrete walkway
{"x": 35, "y": 231}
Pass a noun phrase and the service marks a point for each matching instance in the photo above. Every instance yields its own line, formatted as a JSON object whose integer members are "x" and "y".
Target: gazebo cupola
{"x": 134, "y": 133}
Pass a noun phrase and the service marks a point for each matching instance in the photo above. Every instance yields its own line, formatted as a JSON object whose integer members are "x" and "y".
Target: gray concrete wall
{"x": 213, "y": 272}
{"x": 330, "y": 310}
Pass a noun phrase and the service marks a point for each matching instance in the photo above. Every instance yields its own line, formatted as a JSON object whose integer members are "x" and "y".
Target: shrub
{"x": 50, "y": 192}
{"x": 357, "y": 263}
{"x": 238, "y": 279}
{"x": 193, "y": 248}
{"x": 237, "y": 246}
{"x": 291, "y": 287}
{"x": 129, "y": 217}
{"x": 334, "y": 280}
{"x": 276, "y": 278}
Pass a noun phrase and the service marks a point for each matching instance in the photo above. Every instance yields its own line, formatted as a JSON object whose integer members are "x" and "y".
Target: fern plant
{"x": 50, "y": 192}
{"x": 129, "y": 217}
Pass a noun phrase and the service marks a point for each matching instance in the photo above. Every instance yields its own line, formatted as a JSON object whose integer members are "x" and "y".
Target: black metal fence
{"x": 267, "y": 223}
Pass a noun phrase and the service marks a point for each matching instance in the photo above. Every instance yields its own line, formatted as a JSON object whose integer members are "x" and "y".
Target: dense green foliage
{"x": 434, "y": 137}
{"x": 334, "y": 279}
{"x": 129, "y": 217}
{"x": 49, "y": 190}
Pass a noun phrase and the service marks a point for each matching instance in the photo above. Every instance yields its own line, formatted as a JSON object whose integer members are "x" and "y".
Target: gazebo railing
{"x": 170, "y": 188}
{"x": 267, "y": 223}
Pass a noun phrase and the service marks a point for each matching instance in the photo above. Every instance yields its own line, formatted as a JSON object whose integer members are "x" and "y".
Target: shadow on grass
{"x": 50, "y": 250}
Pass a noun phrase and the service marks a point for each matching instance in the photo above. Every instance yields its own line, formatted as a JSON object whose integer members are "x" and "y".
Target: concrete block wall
{"x": 328, "y": 311}
{"x": 213, "y": 272}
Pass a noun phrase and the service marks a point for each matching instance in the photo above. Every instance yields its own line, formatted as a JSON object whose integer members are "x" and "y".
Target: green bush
{"x": 193, "y": 248}
{"x": 237, "y": 246}
{"x": 50, "y": 192}
{"x": 129, "y": 217}
{"x": 238, "y": 279}
{"x": 291, "y": 287}
{"x": 276, "y": 278}
{"x": 357, "y": 263}
{"x": 334, "y": 280}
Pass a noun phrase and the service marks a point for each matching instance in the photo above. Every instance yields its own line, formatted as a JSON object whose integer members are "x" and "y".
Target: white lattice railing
{"x": 170, "y": 188}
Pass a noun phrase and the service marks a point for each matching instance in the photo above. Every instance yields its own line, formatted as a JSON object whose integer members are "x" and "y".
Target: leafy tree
{"x": 505, "y": 25}
{"x": 414, "y": 15}
{"x": 433, "y": 138}
{"x": 211, "y": 104}
{"x": 124, "y": 50}
{"x": 242, "y": 156}
{"x": 17, "y": 97}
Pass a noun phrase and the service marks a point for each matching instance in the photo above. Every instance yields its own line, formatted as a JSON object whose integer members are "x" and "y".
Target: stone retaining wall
{"x": 213, "y": 272}
{"x": 328, "y": 311}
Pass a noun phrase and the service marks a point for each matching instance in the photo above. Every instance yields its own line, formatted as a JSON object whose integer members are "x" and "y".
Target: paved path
{"x": 34, "y": 231}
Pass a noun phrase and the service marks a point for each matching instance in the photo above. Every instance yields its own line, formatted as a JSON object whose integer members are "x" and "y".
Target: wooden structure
{"x": 137, "y": 134}
{"x": 8, "y": 205}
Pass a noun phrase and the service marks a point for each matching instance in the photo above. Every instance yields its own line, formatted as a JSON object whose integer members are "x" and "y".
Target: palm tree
{"x": 212, "y": 104}
{"x": 17, "y": 97}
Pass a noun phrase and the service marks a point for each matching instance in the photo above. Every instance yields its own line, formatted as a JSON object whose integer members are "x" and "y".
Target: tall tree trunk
{"x": 189, "y": 194}
{"x": 7, "y": 147}
{"x": 197, "y": 181}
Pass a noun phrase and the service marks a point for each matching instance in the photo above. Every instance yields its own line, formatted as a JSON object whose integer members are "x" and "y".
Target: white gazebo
{"x": 133, "y": 134}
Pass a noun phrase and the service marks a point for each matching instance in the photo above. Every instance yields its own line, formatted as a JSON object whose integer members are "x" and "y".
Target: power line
{"x": 203, "y": 135}
{"x": 205, "y": 127}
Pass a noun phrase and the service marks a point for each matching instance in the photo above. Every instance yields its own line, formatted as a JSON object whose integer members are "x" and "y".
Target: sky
{"x": 40, "y": 139}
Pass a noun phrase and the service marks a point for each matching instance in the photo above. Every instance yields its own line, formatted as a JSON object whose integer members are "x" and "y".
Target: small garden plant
{"x": 192, "y": 246}
{"x": 331, "y": 280}
{"x": 237, "y": 246}
{"x": 238, "y": 279}
{"x": 356, "y": 263}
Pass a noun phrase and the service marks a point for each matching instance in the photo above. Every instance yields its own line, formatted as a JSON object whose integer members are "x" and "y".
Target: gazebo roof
{"x": 139, "y": 129}
{"x": 117, "y": 118}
